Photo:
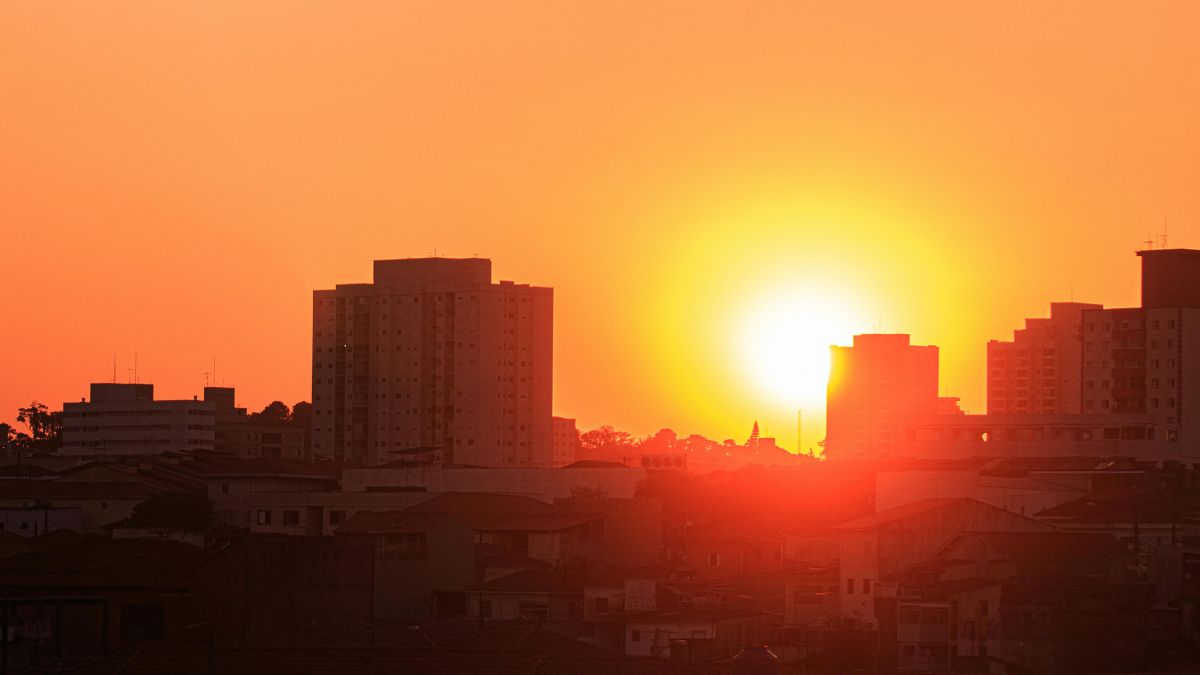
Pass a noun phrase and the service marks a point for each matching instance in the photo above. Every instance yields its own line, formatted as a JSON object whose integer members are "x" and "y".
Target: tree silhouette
{"x": 186, "y": 511}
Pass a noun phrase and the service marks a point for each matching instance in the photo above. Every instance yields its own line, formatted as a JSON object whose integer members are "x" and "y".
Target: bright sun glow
{"x": 784, "y": 344}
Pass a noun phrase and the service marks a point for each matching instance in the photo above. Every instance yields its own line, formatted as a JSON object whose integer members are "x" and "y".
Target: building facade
{"x": 1038, "y": 371}
{"x": 1146, "y": 360}
{"x": 875, "y": 386}
{"x": 566, "y": 440}
{"x": 433, "y": 361}
{"x": 125, "y": 419}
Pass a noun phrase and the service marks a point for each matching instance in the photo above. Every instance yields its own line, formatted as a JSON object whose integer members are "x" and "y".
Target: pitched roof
{"x": 156, "y": 658}
{"x": 481, "y": 510}
{"x": 544, "y": 522}
{"x": 494, "y": 555}
{"x": 533, "y": 581}
{"x": 1123, "y": 504}
{"x": 595, "y": 464}
{"x": 101, "y": 561}
{"x": 273, "y": 466}
{"x": 379, "y": 522}
{"x": 898, "y": 513}
{"x": 25, "y": 471}
{"x": 758, "y": 527}
{"x": 48, "y": 489}
{"x": 1020, "y": 466}
{"x": 1057, "y": 544}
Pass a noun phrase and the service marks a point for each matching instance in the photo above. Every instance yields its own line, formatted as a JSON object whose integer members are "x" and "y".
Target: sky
{"x": 704, "y": 185}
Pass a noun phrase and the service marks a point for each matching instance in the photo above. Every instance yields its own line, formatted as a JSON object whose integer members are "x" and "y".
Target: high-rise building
{"x": 875, "y": 386}
{"x": 1146, "y": 360}
{"x": 432, "y": 362}
{"x": 1039, "y": 370}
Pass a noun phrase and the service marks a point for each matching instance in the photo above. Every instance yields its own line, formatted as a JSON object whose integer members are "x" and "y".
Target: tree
{"x": 301, "y": 415}
{"x": 186, "y": 511}
{"x": 275, "y": 411}
{"x": 43, "y": 424}
{"x": 605, "y": 442}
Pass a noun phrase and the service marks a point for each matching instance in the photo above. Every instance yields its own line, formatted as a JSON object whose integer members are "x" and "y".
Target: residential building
{"x": 419, "y": 557}
{"x": 566, "y": 440}
{"x": 432, "y": 355}
{"x": 125, "y": 420}
{"x": 1038, "y": 371}
{"x": 874, "y": 387}
{"x": 239, "y": 435}
{"x": 874, "y": 549}
{"x": 1146, "y": 360}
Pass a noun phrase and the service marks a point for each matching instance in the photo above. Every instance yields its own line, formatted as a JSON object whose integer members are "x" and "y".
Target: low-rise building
{"x": 125, "y": 419}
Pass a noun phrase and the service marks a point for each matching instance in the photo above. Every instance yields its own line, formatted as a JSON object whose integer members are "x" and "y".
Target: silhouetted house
{"x": 544, "y": 484}
{"x": 696, "y": 635}
{"x": 422, "y": 560}
{"x": 874, "y": 548}
{"x": 1143, "y": 520}
{"x": 286, "y": 590}
{"x": 743, "y": 548}
{"x": 532, "y": 595}
{"x": 493, "y": 561}
{"x": 1023, "y": 485}
{"x": 94, "y": 504}
{"x": 525, "y": 526}
{"x": 90, "y": 594}
{"x": 524, "y": 659}
{"x": 1006, "y": 602}
{"x": 632, "y": 527}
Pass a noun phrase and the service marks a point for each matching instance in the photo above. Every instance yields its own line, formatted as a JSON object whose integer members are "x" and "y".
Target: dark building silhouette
{"x": 433, "y": 355}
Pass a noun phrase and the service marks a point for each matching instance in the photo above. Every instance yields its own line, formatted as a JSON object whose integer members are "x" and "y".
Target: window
{"x": 635, "y": 635}
{"x": 850, "y": 586}
{"x": 291, "y": 518}
{"x": 714, "y": 559}
{"x": 600, "y": 605}
{"x": 485, "y": 609}
{"x": 866, "y": 585}
{"x": 224, "y": 488}
{"x": 337, "y": 517}
{"x": 264, "y": 517}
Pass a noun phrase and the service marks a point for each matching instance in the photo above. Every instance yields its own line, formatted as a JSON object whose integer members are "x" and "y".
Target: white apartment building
{"x": 433, "y": 363}
{"x": 124, "y": 419}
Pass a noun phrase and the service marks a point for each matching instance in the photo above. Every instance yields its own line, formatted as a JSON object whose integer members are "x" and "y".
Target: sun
{"x": 784, "y": 342}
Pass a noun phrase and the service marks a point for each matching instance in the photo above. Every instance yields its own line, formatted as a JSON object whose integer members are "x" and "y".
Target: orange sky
{"x": 176, "y": 177}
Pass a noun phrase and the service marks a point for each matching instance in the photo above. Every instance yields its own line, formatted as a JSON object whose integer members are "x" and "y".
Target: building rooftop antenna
{"x": 1163, "y": 238}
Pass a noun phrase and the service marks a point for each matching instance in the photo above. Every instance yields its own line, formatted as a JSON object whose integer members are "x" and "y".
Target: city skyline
{"x": 918, "y": 192}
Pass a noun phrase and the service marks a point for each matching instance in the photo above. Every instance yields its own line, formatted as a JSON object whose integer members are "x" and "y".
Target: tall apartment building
{"x": 1039, "y": 370}
{"x": 1146, "y": 360}
{"x": 875, "y": 386}
{"x": 125, "y": 419}
{"x": 432, "y": 362}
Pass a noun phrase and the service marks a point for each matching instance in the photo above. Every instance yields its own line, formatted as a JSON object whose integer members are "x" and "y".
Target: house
{"x": 418, "y": 557}
{"x": 696, "y": 635}
{"x": 533, "y": 595}
{"x": 90, "y": 594}
{"x": 1024, "y": 602}
{"x": 875, "y": 547}
{"x": 97, "y": 504}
